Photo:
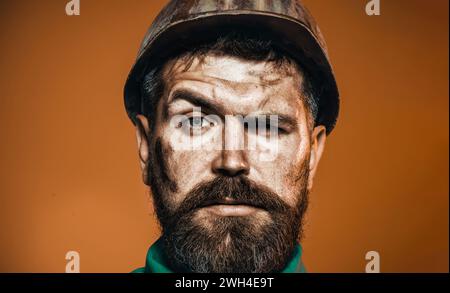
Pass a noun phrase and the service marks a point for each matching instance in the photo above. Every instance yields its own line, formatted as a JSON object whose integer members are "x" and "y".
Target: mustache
{"x": 240, "y": 189}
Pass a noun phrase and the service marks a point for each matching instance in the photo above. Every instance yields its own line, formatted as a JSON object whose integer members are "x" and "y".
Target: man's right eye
{"x": 197, "y": 122}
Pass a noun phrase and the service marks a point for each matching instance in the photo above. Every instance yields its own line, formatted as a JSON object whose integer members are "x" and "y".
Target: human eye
{"x": 270, "y": 126}
{"x": 197, "y": 124}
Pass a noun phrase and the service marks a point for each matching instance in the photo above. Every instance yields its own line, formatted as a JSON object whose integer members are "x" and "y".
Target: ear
{"x": 142, "y": 130}
{"x": 318, "y": 138}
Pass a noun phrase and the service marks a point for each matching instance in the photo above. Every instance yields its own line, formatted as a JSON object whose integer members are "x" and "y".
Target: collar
{"x": 155, "y": 262}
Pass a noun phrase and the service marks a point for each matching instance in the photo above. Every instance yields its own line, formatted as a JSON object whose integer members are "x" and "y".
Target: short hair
{"x": 254, "y": 46}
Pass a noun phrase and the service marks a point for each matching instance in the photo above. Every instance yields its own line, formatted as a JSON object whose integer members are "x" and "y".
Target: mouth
{"x": 230, "y": 208}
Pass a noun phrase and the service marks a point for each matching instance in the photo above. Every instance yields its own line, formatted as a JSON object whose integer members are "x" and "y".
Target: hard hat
{"x": 193, "y": 20}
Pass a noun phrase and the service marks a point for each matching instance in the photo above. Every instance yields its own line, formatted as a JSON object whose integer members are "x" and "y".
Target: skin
{"x": 234, "y": 87}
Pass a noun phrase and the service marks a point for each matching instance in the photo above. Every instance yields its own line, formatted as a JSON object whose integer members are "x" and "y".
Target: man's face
{"x": 221, "y": 201}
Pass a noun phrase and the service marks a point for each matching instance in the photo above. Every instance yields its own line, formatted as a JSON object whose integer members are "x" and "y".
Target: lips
{"x": 229, "y": 201}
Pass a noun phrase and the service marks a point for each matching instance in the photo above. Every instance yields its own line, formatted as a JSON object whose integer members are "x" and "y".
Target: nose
{"x": 232, "y": 159}
{"x": 231, "y": 163}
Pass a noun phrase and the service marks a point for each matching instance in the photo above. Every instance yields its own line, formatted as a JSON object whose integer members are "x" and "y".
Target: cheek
{"x": 189, "y": 161}
{"x": 188, "y": 167}
{"x": 283, "y": 174}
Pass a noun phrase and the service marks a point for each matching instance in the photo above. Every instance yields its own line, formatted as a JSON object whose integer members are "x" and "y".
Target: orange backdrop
{"x": 69, "y": 175}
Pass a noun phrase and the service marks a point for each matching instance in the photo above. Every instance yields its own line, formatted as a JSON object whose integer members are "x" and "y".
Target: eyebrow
{"x": 214, "y": 108}
{"x": 283, "y": 119}
{"x": 197, "y": 100}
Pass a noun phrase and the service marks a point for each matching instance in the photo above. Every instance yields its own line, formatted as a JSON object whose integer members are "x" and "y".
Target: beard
{"x": 217, "y": 244}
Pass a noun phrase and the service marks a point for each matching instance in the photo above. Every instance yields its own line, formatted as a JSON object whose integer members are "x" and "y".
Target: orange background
{"x": 69, "y": 175}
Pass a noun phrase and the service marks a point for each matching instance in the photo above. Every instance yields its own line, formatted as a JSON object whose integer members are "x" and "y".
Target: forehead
{"x": 233, "y": 81}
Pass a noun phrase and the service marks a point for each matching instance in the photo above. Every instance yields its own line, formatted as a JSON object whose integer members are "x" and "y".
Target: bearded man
{"x": 232, "y": 103}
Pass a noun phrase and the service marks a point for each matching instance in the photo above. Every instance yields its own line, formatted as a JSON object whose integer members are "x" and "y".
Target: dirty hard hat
{"x": 288, "y": 21}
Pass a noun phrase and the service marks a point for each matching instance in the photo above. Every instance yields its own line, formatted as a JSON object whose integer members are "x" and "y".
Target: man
{"x": 232, "y": 103}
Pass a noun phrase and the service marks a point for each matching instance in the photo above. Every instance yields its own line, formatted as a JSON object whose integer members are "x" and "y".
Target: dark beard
{"x": 227, "y": 244}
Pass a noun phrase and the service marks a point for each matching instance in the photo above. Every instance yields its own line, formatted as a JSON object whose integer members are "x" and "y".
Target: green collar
{"x": 155, "y": 262}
